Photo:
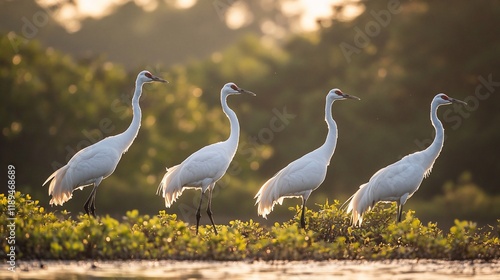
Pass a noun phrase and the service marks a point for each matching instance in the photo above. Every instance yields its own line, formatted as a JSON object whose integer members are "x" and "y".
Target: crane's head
{"x": 147, "y": 77}
{"x": 443, "y": 99}
{"x": 337, "y": 94}
{"x": 232, "y": 88}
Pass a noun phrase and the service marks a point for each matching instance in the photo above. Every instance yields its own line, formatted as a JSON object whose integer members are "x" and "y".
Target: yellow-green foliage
{"x": 43, "y": 235}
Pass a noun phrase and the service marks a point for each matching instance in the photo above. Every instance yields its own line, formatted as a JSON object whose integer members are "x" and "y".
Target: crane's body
{"x": 400, "y": 180}
{"x": 96, "y": 162}
{"x": 202, "y": 169}
{"x": 298, "y": 179}
{"x": 302, "y": 176}
{"x": 87, "y": 167}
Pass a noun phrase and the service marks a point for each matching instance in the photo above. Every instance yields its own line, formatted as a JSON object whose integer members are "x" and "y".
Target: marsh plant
{"x": 47, "y": 235}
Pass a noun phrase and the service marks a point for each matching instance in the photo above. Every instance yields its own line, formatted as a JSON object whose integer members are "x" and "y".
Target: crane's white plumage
{"x": 88, "y": 166}
{"x": 96, "y": 162}
{"x": 400, "y": 180}
{"x": 297, "y": 179}
{"x": 304, "y": 175}
{"x": 205, "y": 167}
{"x": 199, "y": 171}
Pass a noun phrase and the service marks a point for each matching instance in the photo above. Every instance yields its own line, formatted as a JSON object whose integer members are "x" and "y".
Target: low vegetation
{"x": 46, "y": 235}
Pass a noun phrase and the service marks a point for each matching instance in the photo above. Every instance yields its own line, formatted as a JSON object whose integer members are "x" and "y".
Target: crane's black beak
{"x": 351, "y": 96}
{"x": 240, "y": 90}
{"x": 158, "y": 79}
{"x": 458, "y": 101}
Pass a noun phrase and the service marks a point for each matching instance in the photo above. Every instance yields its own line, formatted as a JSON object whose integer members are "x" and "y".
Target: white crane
{"x": 304, "y": 175}
{"x": 400, "y": 180}
{"x": 205, "y": 167}
{"x": 96, "y": 162}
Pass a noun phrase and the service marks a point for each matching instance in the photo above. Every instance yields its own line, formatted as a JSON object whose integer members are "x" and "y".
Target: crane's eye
{"x": 444, "y": 97}
{"x": 147, "y": 74}
{"x": 338, "y": 92}
{"x": 233, "y": 86}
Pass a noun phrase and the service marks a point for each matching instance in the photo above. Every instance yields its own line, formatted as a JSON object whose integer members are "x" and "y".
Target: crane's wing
{"x": 393, "y": 183}
{"x": 89, "y": 165}
{"x": 210, "y": 163}
{"x": 299, "y": 178}
{"x": 396, "y": 180}
{"x": 201, "y": 169}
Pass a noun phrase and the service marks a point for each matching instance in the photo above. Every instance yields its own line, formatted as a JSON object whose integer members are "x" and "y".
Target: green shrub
{"x": 329, "y": 235}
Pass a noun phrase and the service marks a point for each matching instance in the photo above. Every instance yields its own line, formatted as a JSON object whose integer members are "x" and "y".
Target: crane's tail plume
{"x": 160, "y": 190}
{"x": 60, "y": 188}
{"x": 360, "y": 202}
{"x": 169, "y": 187}
{"x": 267, "y": 197}
{"x": 344, "y": 205}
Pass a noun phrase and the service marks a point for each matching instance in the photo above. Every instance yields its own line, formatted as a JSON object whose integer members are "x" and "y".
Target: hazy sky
{"x": 70, "y": 15}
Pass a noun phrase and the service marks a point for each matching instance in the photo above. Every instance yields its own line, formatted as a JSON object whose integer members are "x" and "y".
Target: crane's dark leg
{"x": 198, "y": 213}
{"x": 400, "y": 211}
{"x": 90, "y": 202}
{"x": 302, "y": 217}
{"x": 209, "y": 209}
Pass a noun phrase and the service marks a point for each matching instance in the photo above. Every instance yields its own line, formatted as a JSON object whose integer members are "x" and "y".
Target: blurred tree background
{"x": 67, "y": 86}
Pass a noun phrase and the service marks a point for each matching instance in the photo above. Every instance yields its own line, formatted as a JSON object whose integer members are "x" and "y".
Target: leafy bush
{"x": 43, "y": 235}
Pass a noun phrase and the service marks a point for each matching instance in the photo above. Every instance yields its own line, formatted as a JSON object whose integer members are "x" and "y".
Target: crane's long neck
{"x": 328, "y": 147}
{"x": 126, "y": 138}
{"x": 235, "y": 125}
{"x": 432, "y": 152}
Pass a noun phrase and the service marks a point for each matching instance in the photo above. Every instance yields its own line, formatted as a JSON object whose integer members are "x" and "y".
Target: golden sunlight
{"x": 70, "y": 14}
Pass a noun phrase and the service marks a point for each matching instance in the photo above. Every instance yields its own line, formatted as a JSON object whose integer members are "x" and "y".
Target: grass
{"x": 45, "y": 235}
